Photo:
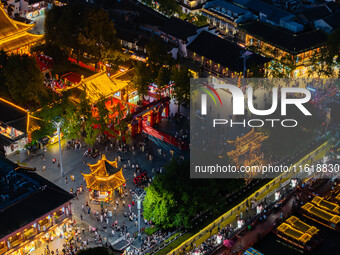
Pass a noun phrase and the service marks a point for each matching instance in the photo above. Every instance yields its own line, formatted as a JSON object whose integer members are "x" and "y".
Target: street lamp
{"x": 58, "y": 124}
{"x": 245, "y": 54}
{"x": 139, "y": 194}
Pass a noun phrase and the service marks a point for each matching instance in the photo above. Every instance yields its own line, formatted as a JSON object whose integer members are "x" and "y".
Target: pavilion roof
{"x": 329, "y": 206}
{"x": 251, "y": 136}
{"x": 302, "y": 226}
{"x": 101, "y": 168}
{"x": 317, "y": 211}
{"x": 18, "y": 40}
{"x": 13, "y": 34}
{"x": 101, "y": 84}
{"x": 294, "y": 233}
{"x": 104, "y": 175}
{"x": 108, "y": 183}
{"x": 243, "y": 143}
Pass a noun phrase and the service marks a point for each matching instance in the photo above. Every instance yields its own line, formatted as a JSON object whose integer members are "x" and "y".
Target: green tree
{"x": 87, "y": 31}
{"x": 119, "y": 123}
{"x": 142, "y": 78}
{"x": 173, "y": 199}
{"x": 181, "y": 77}
{"x": 52, "y": 50}
{"x": 158, "y": 54}
{"x": 168, "y": 7}
{"x": 102, "y": 116}
{"x": 163, "y": 78}
{"x": 22, "y": 79}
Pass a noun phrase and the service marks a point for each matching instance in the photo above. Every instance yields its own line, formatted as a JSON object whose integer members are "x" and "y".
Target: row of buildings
{"x": 286, "y": 33}
{"x": 33, "y": 211}
{"x": 25, "y": 8}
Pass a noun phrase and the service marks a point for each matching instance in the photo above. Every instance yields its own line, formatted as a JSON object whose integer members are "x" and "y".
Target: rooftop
{"x": 273, "y": 13}
{"x": 223, "y": 6}
{"x": 13, "y": 115}
{"x": 21, "y": 190}
{"x": 13, "y": 34}
{"x": 178, "y": 28}
{"x": 293, "y": 43}
{"x": 223, "y": 52}
{"x": 317, "y": 12}
{"x": 333, "y": 20}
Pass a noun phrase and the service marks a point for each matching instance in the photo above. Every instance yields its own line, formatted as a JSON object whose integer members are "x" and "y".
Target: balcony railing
{"x": 31, "y": 234}
{"x": 3, "y": 249}
{"x": 17, "y": 241}
{"x": 45, "y": 226}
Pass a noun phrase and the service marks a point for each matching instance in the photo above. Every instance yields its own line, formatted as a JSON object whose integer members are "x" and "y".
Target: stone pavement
{"x": 74, "y": 163}
{"x": 248, "y": 238}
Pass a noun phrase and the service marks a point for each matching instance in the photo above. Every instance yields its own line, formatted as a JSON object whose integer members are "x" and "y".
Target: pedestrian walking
{"x": 44, "y": 169}
{"x": 72, "y": 178}
{"x": 66, "y": 180}
{"x": 81, "y": 217}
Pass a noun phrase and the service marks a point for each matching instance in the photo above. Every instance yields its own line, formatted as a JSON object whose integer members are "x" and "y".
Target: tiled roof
{"x": 293, "y": 43}
{"x": 223, "y": 52}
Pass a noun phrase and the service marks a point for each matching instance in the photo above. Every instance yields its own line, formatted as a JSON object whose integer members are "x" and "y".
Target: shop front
{"x": 30, "y": 240}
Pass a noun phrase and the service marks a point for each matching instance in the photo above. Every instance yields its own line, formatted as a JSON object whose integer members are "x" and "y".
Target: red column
{"x": 133, "y": 130}
{"x": 167, "y": 109}
{"x": 140, "y": 126}
{"x": 159, "y": 116}
{"x": 152, "y": 118}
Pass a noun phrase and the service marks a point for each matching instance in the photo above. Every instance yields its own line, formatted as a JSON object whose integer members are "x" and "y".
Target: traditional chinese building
{"x": 33, "y": 211}
{"x": 16, "y": 125}
{"x": 14, "y": 35}
{"x": 102, "y": 85}
{"x": 294, "y": 49}
{"x": 247, "y": 148}
{"x": 221, "y": 57}
{"x": 104, "y": 179}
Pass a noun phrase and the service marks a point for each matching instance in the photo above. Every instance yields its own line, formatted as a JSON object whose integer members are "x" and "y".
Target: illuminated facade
{"x": 226, "y": 61}
{"x": 48, "y": 217}
{"x": 14, "y": 122}
{"x": 104, "y": 179}
{"x": 321, "y": 216}
{"x": 14, "y": 35}
{"x": 248, "y": 149}
{"x": 296, "y": 232}
{"x": 294, "y": 50}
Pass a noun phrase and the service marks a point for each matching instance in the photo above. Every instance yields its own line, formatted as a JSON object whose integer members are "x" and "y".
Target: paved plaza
{"x": 74, "y": 163}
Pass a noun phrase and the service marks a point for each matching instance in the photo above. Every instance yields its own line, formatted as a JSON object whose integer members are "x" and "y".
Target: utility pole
{"x": 58, "y": 125}
{"x": 139, "y": 194}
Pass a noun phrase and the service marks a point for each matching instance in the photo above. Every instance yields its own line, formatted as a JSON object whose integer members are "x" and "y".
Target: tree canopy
{"x": 88, "y": 32}
{"x": 173, "y": 199}
{"x": 20, "y": 79}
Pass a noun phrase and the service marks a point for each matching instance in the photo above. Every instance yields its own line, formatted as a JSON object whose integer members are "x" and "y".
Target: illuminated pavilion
{"x": 326, "y": 205}
{"x": 247, "y": 148}
{"x": 297, "y": 232}
{"x": 321, "y": 216}
{"x": 102, "y": 85}
{"x": 14, "y": 37}
{"x": 104, "y": 179}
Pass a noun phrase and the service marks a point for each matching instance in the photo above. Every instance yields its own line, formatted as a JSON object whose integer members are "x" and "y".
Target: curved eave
{"x": 19, "y": 40}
